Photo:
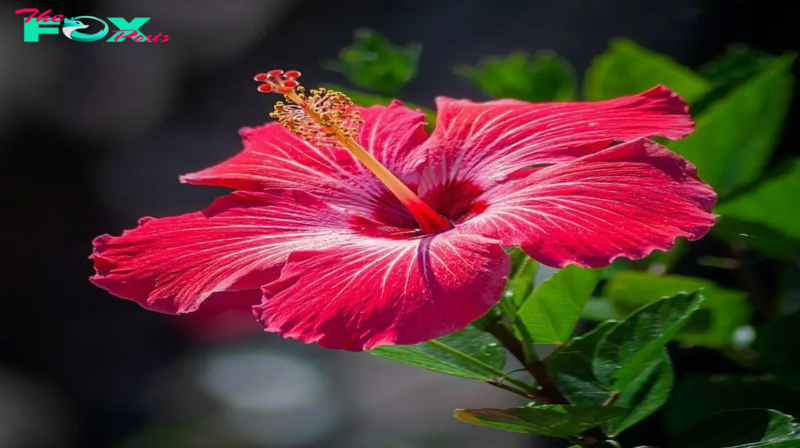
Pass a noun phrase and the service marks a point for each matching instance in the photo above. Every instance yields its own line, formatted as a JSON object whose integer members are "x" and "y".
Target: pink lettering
{"x": 34, "y": 11}
{"x": 43, "y": 16}
{"x": 137, "y": 37}
{"x": 120, "y": 34}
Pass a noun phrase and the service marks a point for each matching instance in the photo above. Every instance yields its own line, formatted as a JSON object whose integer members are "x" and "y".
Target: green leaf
{"x": 518, "y": 259}
{"x": 723, "y": 311}
{"x": 737, "y": 428}
{"x": 521, "y": 281}
{"x": 551, "y": 311}
{"x": 728, "y": 71}
{"x": 756, "y": 236}
{"x": 645, "y": 394}
{"x": 795, "y": 443}
{"x": 599, "y": 310}
{"x": 777, "y": 345}
{"x": 773, "y": 203}
{"x": 373, "y": 62}
{"x": 552, "y": 420}
{"x": 637, "y": 341}
{"x": 699, "y": 395}
{"x": 469, "y": 353}
{"x": 571, "y": 369}
{"x": 362, "y": 98}
{"x": 371, "y": 99}
{"x": 737, "y": 64}
{"x": 541, "y": 77}
{"x": 736, "y": 136}
{"x": 627, "y": 68}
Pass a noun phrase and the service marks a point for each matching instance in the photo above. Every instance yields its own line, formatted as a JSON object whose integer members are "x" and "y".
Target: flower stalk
{"x": 546, "y": 389}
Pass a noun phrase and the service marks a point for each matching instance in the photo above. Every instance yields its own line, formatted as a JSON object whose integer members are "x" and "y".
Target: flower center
{"x": 324, "y": 118}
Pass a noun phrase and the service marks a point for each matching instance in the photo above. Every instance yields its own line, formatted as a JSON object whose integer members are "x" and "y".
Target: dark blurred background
{"x": 94, "y": 136}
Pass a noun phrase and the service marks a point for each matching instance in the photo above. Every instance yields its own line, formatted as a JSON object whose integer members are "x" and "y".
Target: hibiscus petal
{"x": 481, "y": 144}
{"x": 363, "y": 293}
{"x": 391, "y": 134}
{"x": 625, "y": 201}
{"x": 237, "y": 245}
{"x": 276, "y": 158}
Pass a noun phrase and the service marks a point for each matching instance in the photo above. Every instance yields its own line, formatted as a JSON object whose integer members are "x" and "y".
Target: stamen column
{"x": 324, "y": 118}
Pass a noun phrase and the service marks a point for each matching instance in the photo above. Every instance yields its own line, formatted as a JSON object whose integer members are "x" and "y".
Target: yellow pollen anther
{"x": 325, "y": 118}
{"x": 320, "y": 117}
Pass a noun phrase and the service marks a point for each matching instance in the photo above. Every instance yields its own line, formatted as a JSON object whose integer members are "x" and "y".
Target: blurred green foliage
{"x": 621, "y": 372}
{"x": 543, "y": 76}
{"x": 373, "y": 62}
{"x": 777, "y": 345}
{"x": 770, "y": 203}
{"x": 737, "y": 134}
{"x": 700, "y": 395}
{"x": 626, "y": 69}
{"x": 722, "y": 312}
{"x": 738, "y": 428}
{"x": 730, "y": 70}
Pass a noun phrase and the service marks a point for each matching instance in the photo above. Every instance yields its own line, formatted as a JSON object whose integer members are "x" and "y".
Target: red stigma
{"x": 277, "y": 81}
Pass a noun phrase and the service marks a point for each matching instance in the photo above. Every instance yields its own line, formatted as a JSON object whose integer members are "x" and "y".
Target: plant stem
{"x": 499, "y": 383}
{"x": 547, "y": 391}
{"x": 611, "y": 399}
{"x": 527, "y": 348}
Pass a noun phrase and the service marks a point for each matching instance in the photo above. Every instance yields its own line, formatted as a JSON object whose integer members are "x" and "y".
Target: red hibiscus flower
{"x": 357, "y": 229}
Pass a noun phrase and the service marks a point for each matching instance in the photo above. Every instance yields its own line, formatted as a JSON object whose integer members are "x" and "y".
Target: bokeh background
{"x": 94, "y": 135}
